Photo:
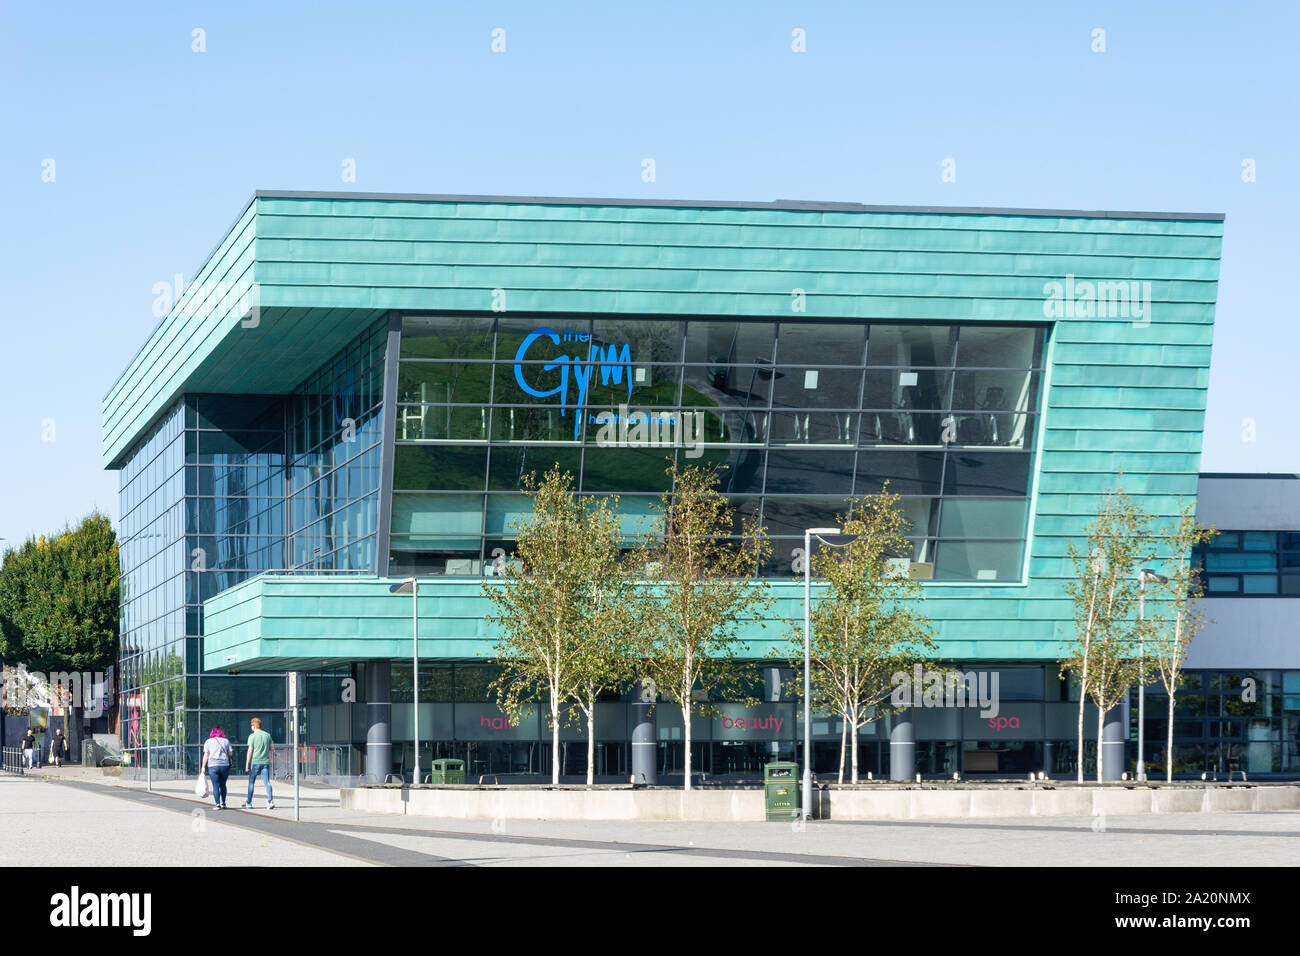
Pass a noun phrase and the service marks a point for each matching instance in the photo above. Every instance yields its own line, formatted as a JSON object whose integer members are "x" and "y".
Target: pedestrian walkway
{"x": 60, "y": 819}
{"x": 1248, "y": 839}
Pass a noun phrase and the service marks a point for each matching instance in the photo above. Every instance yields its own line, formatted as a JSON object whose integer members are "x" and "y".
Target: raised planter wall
{"x": 472, "y": 803}
{"x": 866, "y": 803}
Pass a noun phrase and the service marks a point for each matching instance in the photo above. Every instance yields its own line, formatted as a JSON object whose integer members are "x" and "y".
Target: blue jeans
{"x": 218, "y": 776}
{"x": 264, "y": 770}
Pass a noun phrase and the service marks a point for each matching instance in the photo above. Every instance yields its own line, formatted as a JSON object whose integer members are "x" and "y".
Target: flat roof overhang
{"x": 276, "y": 622}
{"x": 299, "y": 274}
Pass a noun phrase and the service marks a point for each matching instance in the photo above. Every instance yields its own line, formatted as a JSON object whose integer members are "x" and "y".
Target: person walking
{"x": 216, "y": 762}
{"x": 58, "y": 747}
{"x": 29, "y": 749}
{"x": 258, "y": 762}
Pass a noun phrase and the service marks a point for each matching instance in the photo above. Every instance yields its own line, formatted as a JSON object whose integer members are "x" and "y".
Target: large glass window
{"x": 334, "y": 423}
{"x": 1251, "y": 564}
{"x": 799, "y": 415}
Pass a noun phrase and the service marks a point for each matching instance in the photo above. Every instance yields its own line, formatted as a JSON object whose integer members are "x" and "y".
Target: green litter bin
{"x": 781, "y": 790}
{"x": 447, "y": 770}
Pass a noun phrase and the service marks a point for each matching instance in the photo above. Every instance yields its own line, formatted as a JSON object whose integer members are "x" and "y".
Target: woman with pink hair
{"x": 216, "y": 762}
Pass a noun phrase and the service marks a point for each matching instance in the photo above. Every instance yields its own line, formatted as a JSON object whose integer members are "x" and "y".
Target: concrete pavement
{"x": 45, "y": 823}
{"x": 339, "y": 837}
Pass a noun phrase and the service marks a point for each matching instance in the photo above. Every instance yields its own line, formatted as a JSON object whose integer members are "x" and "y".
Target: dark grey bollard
{"x": 379, "y": 715}
{"x": 902, "y": 746}
{"x": 1113, "y": 740}
{"x": 645, "y": 750}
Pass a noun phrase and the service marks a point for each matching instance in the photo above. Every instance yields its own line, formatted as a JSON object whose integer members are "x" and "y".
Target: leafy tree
{"x": 701, "y": 588}
{"x": 609, "y": 616}
{"x": 59, "y": 602}
{"x": 1104, "y": 591}
{"x": 865, "y": 626}
{"x": 562, "y": 609}
{"x": 1173, "y": 615}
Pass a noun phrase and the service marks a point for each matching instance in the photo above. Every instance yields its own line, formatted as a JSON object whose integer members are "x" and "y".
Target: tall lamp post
{"x": 832, "y": 537}
{"x": 412, "y": 587}
{"x": 1145, "y": 575}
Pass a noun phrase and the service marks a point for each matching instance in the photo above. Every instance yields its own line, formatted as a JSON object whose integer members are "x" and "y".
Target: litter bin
{"x": 781, "y": 790}
{"x": 446, "y": 770}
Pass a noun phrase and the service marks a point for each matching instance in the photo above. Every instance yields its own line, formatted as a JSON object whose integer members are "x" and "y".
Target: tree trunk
{"x": 1169, "y": 737}
{"x": 1083, "y": 700}
{"x": 854, "y": 738}
{"x": 844, "y": 731}
{"x": 1101, "y": 723}
{"x": 555, "y": 740}
{"x": 686, "y": 717}
{"x": 591, "y": 743}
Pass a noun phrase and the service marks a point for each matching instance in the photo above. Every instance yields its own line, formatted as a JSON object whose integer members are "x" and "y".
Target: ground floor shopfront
{"x": 1225, "y": 721}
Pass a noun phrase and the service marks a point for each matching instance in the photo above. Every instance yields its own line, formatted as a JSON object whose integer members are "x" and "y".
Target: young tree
{"x": 701, "y": 588}
{"x": 1116, "y": 669}
{"x": 865, "y": 627}
{"x": 607, "y": 622}
{"x": 1174, "y": 618}
{"x": 558, "y": 608}
{"x": 1104, "y": 592}
{"x": 59, "y": 607}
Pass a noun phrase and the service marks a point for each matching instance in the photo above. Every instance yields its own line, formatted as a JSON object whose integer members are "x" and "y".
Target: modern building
{"x": 1240, "y": 709}
{"x": 354, "y": 386}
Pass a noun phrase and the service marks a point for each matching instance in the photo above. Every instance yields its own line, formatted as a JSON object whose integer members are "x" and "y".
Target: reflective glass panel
{"x": 998, "y": 347}
{"x": 446, "y": 337}
{"x": 910, "y": 345}
{"x": 444, "y": 382}
{"x": 808, "y": 343}
{"x": 990, "y": 473}
{"x": 730, "y": 343}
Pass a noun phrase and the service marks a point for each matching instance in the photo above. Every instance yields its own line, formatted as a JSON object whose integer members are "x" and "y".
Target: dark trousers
{"x": 218, "y": 776}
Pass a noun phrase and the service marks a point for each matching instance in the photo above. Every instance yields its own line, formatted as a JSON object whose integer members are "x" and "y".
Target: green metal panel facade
{"x": 1124, "y": 402}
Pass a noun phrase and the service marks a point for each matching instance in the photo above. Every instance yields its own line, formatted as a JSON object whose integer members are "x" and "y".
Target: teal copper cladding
{"x": 1114, "y": 387}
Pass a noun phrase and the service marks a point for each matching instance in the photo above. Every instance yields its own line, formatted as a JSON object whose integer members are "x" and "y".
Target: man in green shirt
{"x": 258, "y": 761}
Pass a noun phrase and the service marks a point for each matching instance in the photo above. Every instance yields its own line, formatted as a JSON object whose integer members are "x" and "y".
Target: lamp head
{"x": 1146, "y": 574}
{"x": 832, "y": 537}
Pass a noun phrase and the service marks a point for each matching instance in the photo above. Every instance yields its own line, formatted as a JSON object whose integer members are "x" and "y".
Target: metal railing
{"x": 13, "y": 761}
{"x": 314, "y": 760}
{"x": 355, "y": 572}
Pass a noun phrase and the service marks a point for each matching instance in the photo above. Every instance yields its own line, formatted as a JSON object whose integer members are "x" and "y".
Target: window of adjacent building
{"x": 1251, "y": 564}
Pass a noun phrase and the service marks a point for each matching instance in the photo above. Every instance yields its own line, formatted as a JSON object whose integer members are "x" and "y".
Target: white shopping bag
{"x": 201, "y": 786}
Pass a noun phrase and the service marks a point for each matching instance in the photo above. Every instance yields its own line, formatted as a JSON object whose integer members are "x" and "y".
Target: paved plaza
{"x": 105, "y": 821}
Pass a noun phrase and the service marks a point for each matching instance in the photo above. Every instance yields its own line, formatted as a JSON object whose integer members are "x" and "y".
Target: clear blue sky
{"x": 157, "y": 148}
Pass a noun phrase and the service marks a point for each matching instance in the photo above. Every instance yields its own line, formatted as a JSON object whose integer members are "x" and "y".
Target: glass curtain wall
{"x": 334, "y": 432}
{"x": 235, "y": 522}
{"x": 802, "y": 415}
{"x": 224, "y": 488}
{"x": 1225, "y": 721}
{"x": 151, "y": 552}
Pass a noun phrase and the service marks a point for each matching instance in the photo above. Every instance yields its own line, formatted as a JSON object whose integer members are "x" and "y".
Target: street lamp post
{"x": 807, "y": 652}
{"x": 412, "y": 587}
{"x": 1145, "y": 575}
